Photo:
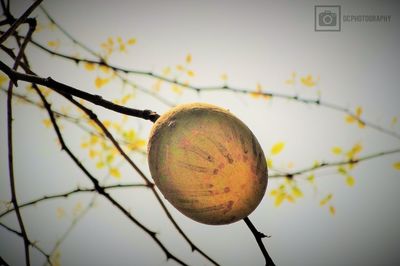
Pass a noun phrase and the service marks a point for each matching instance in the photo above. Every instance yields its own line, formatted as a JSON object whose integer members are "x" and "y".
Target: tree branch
{"x": 20, "y": 20}
{"x": 332, "y": 164}
{"x": 258, "y": 236}
{"x": 97, "y": 186}
{"x": 295, "y": 98}
{"x": 32, "y": 26}
{"x": 94, "y": 118}
{"x": 68, "y": 90}
{"x": 33, "y": 244}
{"x": 69, "y": 193}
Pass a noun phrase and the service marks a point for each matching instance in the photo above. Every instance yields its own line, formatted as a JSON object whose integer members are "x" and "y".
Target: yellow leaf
{"x": 188, "y": 58}
{"x": 122, "y": 47}
{"x": 336, "y": 150}
{"x": 277, "y": 148}
{"x": 359, "y": 111}
{"x": 114, "y": 172}
{"x": 396, "y": 165}
{"x": 311, "y": 178}
{"x": 190, "y": 73}
{"x": 350, "y": 119}
{"x": 100, "y": 82}
{"x": 360, "y": 124}
{"x": 274, "y": 192}
{"x": 77, "y": 209}
{"x": 60, "y": 212}
{"x": 332, "y": 210}
{"x": 269, "y": 163}
{"x": 53, "y": 44}
{"x": 357, "y": 148}
{"x": 137, "y": 144}
{"x": 180, "y": 68}
{"x": 94, "y": 139}
{"x": 290, "y": 198}
{"x": 100, "y": 164}
{"x": 131, "y": 41}
{"x": 166, "y": 71}
{"x": 47, "y": 123}
{"x": 89, "y": 66}
{"x": 224, "y": 77}
{"x": 177, "y": 89}
{"x": 308, "y": 81}
{"x": 257, "y": 93}
{"x": 326, "y": 199}
{"x": 279, "y": 199}
{"x": 394, "y": 119}
{"x": 3, "y": 78}
{"x": 292, "y": 80}
{"x": 350, "y": 181}
{"x": 84, "y": 145}
{"x": 93, "y": 153}
{"x": 110, "y": 158}
{"x": 105, "y": 69}
{"x": 297, "y": 192}
{"x": 107, "y": 123}
{"x": 342, "y": 170}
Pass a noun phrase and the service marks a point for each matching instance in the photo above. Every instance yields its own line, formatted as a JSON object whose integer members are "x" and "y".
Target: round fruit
{"x": 207, "y": 163}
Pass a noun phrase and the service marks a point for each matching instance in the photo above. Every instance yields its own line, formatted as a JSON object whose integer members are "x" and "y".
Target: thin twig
{"x": 32, "y": 26}
{"x": 33, "y": 244}
{"x": 97, "y": 186}
{"x": 332, "y": 164}
{"x": 296, "y": 98}
{"x": 68, "y": 90}
{"x": 258, "y": 236}
{"x": 20, "y": 20}
{"x": 69, "y": 193}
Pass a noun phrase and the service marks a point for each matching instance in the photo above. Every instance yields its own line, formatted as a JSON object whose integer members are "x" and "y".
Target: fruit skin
{"x": 207, "y": 163}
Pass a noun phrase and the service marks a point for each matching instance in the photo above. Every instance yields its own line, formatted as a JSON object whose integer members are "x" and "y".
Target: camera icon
{"x": 327, "y": 18}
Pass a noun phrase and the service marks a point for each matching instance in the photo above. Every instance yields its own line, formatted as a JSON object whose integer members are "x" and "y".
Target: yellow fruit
{"x": 207, "y": 163}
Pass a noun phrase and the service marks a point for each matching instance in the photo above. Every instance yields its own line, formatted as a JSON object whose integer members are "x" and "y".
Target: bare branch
{"x": 332, "y": 164}
{"x": 97, "y": 186}
{"x": 33, "y": 244}
{"x": 32, "y": 26}
{"x": 68, "y": 90}
{"x": 295, "y": 98}
{"x": 72, "y": 192}
{"x": 20, "y": 20}
{"x": 258, "y": 236}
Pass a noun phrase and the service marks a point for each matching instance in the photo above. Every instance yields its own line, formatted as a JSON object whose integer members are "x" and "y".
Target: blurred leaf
{"x": 308, "y": 81}
{"x": 326, "y": 199}
{"x": 279, "y": 199}
{"x": 350, "y": 181}
{"x": 89, "y": 66}
{"x": 396, "y": 165}
{"x": 277, "y": 148}
{"x": 297, "y": 192}
{"x": 100, "y": 82}
{"x": 336, "y": 150}
{"x": 332, "y": 210}
{"x": 131, "y": 41}
{"x": 188, "y": 58}
{"x": 3, "y": 78}
{"x": 114, "y": 172}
